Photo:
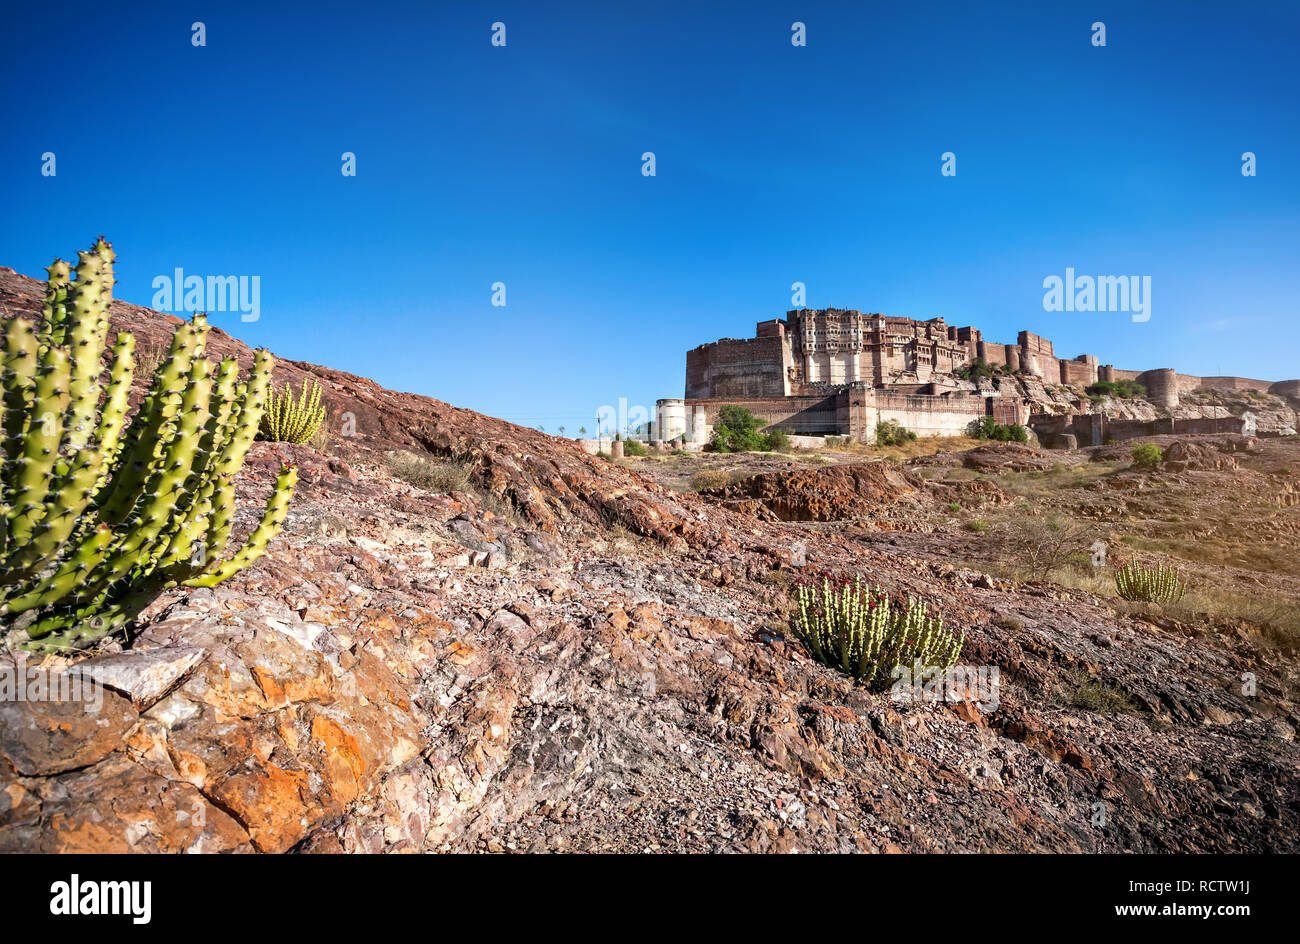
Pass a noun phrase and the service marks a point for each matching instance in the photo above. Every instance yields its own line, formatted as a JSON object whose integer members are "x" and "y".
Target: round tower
{"x": 670, "y": 419}
{"x": 1162, "y": 386}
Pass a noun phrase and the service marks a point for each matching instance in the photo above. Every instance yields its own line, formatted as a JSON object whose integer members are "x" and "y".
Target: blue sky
{"x": 774, "y": 164}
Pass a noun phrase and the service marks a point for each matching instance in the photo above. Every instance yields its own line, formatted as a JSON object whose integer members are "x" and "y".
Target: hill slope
{"x": 564, "y": 655}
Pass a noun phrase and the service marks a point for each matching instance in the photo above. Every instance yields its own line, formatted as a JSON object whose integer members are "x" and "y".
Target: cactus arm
{"x": 36, "y": 465}
{"x": 138, "y": 549}
{"x": 113, "y": 415}
{"x": 86, "y": 334}
{"x": 222, "y": 516}
{"x": 192, "y": 530}
{"x": 251, "y": 406}
{"x": 74, "y": 570}
{"x": 277, "y": 507}
{"x": 54, "y": 314}
{"x": 89, "y": 460}
{"x": 148, "y": 432}
{"x": 19, "y": 380}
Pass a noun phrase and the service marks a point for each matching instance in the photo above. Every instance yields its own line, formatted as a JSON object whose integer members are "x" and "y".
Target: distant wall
{"x": 1095, "y": 429}
{"x": 924, "y": 415}
{"x": 805, "y": 415}
{"x": 1082, "y": 370}
{"x": 1231, "y": 383}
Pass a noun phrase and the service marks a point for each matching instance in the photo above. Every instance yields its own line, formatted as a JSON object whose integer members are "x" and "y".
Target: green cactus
{"x": 1159, "y": 584}
{"x": 854, "y": 627}
{"x": 287, "y": 420}
{"x": 97, "y": 515}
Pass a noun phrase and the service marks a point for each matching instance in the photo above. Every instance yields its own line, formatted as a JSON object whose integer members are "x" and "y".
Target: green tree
{"x": 737, "y": 431}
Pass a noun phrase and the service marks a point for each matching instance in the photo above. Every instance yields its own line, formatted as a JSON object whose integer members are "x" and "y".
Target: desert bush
{"x": 977, "y": 526}
{"x": 891, "y": 433}
{"x": 709, "y": 478}
{"x": 853, "y": 626}
{"x": 148, "y": 358}
{"x": 1147, "y": 455}
{"x": 634, "y": 447}
{"x": 291, "y": 420}
{"x": 441, "y": 476}
{"x": 1159, "y": 584}
{"x": 1098, "y": 696}
{"x": 954, "y": 507}
{"x": 1039, "y": 545}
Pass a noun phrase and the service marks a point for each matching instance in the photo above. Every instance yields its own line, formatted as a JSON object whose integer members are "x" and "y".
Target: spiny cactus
{"x": 100, "y": 515}
{"x": 287, "y": 420}
{"x": 1159, "y": 584}
{"x": 853, "y": 626}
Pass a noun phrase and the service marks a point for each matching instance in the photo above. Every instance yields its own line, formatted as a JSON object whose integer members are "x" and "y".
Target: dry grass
{"x": 321, "y": 440}
{"x": 710, "y": 478}
{"x": 1060, "y": 477}
{"x": 1099, "y": 697}
{"x": 441, "y": 476}
{"x": 148, "y": 358}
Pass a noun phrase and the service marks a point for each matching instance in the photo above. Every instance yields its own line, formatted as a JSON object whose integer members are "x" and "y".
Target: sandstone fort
{"x": 841, "y": 372}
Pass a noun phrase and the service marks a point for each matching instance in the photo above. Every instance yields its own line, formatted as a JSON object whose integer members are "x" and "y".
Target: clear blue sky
{"x": 522, "y": 164}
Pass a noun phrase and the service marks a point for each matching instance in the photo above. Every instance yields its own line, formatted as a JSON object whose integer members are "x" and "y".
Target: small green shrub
{"x": 976, "y": 371}
{"x": 891, "y": 433}
{"x": 1120, "y": 389}
{"x": 634, "y": 447}
{"x": 988, "y": 428}
{"x": 1159, "y": 584}
{"x": 853, "y": 626}
{"x": 778, "y": 440}
{"x": 1147, "y": 455}
{"x": 953, "y": 507}
{"x": 977, "y": 526}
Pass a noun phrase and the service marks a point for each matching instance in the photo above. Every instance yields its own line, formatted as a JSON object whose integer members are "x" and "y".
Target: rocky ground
{"x": 565, "y": 654}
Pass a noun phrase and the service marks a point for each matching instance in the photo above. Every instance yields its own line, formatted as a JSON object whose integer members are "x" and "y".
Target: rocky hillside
{"x": 563, "y": 655}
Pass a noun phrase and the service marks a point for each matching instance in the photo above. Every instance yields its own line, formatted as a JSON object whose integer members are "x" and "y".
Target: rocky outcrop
{"x": 566, "y": 656}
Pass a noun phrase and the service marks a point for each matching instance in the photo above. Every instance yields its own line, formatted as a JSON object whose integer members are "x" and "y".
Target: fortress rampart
{"x": 842, "y": 371}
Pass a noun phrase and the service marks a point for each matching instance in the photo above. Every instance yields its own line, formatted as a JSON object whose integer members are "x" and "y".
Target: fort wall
{"x": 754, "y": 367}
{"x": 841, "y": 372}
{"x": 802, "y": 415}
